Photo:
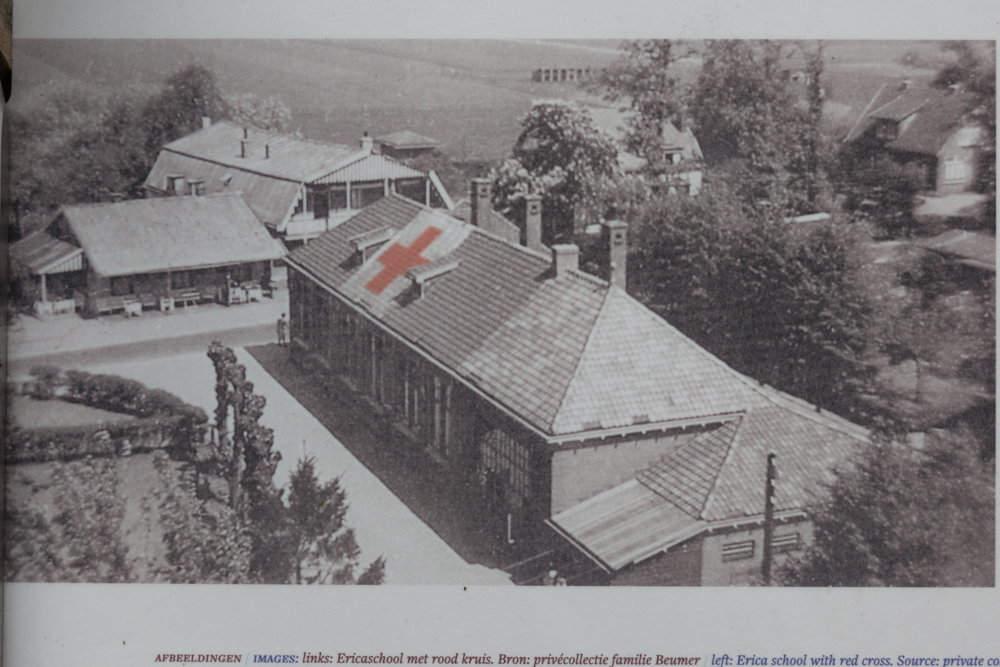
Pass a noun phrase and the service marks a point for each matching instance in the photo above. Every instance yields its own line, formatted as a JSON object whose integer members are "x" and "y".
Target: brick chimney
{"x": 614, "y": 240}
{"x": 533, "y": 222}
{"x": 243, "y": 147}
{"x": 565, "y": 258}
{"x": 367, "y": 143}
{"x": 480, "y": 202}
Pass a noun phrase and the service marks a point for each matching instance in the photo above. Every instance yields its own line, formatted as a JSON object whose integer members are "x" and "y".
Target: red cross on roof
{"x": 399, "y": 259}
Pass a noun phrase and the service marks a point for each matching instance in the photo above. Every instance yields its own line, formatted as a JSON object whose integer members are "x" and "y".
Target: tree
{"x": 305, "y": 540}
{"x": 642, "y": 78}
{"x": 187, "y": 97}
{"x": 80, "y": 540}
{"x": 904, "y": 517}
{"x": 267, "y": 113}
{"x": 326, "y": 550}
{"x": 745, "y": 113}
{"x": 205, "y": 543}
{"x": 788, "y": 308}
{"x": 562, "y": 156}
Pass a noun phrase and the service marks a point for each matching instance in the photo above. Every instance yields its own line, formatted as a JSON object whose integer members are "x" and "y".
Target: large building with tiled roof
{"x": 924, "y": 127}
{"x": 554, "y": 393}
{"x": 297, "y": 188}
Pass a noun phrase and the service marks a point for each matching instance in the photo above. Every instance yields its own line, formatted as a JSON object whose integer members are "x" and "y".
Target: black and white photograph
{"x": 536, "y": 312}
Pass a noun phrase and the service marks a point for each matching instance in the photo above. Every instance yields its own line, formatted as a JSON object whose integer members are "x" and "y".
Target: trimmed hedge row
{"x": 112, "y": 393}
{"x": 163, "y": 420}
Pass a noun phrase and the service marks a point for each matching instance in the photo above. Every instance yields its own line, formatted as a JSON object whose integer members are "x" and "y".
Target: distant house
{"x": 924, "y": 127}
{"x": 679, "y": 169}
{"x": 570, "y": 415}
{"x": 405, "y": 144}
{"x": 149, "y": 253}
{"x": 297, "y": 188}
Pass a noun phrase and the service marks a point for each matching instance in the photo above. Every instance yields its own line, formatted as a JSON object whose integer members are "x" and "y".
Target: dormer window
{"x": 672, "y": 157}
{"x": 196, "y": 186}
{"x": 174, "y": 184}
{"x": 367, "y": 244}
{"x": 887, "y": 130}
{"x": 424, "y": 274}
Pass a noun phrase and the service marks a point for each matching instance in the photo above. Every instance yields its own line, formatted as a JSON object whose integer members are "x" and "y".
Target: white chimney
{"x": 565, "y": 258}
{"x": 533, "y": 222}
{"x": 367, "y": 143}
{"x": 206, "y": 122}
{"x": 615, "y": 242}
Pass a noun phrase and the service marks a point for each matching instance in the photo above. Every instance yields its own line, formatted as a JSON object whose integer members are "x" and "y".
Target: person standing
{"x": 282, "y": 330}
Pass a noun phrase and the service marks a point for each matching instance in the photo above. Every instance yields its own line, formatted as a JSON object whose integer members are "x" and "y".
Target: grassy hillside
{"x": 467, "y": 94}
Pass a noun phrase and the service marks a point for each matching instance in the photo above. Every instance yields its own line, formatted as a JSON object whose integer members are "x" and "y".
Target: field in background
{"x": 467, "y": 94}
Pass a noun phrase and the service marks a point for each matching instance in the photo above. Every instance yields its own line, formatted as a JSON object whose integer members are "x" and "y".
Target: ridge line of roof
{"x": 231, "y": 166}
{"x": 583, "y": 352}
{"x": 864, "y": 114}
{"x": 709, "y": 497}
{"x": 794, "y": 404}
{"x": 213, "y": 195}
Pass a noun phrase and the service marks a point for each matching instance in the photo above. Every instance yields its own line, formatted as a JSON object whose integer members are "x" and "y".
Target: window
{"x": 886, "y": 130}
{"x": 955, "y": 170}
{"x": 338, "y": 198}
{"x": 737, "y": 551}
{"x": 503, "y": 457}
{"x": 318, "y": 202}
{"x": 121, "y": 285}
{"x": 174, "y": 184}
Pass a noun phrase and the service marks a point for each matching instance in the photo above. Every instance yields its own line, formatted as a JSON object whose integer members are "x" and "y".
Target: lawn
{"x": 28, "y": 412}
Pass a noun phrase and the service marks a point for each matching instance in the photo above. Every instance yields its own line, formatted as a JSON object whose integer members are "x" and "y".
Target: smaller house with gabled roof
{"x": 405, "y": 144}
{"x": 297, "y": 188}
{"x": 151, "y": 253}
{"x": 925, "y": 127}
{"x": 681, "y": 167}
{"x": 573, "y": 412}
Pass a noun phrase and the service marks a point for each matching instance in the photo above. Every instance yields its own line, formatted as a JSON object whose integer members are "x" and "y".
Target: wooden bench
{"x": 188, "y": 298}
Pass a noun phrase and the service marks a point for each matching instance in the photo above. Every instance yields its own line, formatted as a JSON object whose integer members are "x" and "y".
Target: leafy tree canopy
{"x": 905, "y": 517}
{"x": 563, "y": 157}
{"x": 643, "y": 79}
{"x": 788, "y": 308}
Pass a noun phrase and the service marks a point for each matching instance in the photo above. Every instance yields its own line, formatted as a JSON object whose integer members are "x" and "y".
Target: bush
{"x": 67, "y": 443}
{"x": 118, "y": 394}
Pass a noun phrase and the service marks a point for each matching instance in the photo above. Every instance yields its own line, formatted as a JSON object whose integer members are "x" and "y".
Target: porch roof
{"x": 42, "y": 254}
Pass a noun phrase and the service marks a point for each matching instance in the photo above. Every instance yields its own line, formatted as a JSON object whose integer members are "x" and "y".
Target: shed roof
{"x": 41, "y": 253}
{"x": 169, "y": 233}
{"x": 407, "y": 139}
{"x": 625, "y": 525}
{"x": 976, "y": 249}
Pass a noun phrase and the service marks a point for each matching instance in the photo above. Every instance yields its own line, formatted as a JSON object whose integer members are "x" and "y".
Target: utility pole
{"x": 765, "y": 565}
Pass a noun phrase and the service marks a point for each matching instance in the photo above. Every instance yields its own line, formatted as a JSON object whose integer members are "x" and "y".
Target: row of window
{"x": 142, "y": 283}
{"x": 434, "y": 408}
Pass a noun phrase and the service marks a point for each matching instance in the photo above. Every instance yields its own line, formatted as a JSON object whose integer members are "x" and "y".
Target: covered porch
{"x": 51, "y": 272}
